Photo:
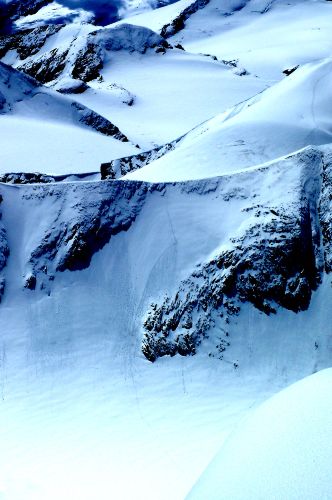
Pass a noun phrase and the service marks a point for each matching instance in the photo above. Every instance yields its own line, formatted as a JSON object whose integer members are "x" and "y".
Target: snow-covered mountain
{"x": 165, "y": 245}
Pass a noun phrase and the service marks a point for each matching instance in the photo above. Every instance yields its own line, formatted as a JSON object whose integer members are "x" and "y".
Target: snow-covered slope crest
{"x": 253, "y": 132}
{"x": 283, "y": 450}
{"x": 21, "y": 95}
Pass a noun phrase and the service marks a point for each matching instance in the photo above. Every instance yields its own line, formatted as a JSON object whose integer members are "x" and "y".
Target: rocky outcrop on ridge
{"x": 122, "y": 166}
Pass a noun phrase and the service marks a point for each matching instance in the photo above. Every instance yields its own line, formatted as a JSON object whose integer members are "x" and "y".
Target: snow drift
{"x": 281, "y": 451}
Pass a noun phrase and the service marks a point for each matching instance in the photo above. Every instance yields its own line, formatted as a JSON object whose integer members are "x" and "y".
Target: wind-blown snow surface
{"x": 283, "y": 450}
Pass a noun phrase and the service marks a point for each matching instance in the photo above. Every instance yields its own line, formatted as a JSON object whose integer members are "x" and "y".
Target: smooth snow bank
{"x": 56, "y": 148}
{"x": 44, "y": 131}
{"x": 283, "y": 450}
{"x": 287, "y": 117}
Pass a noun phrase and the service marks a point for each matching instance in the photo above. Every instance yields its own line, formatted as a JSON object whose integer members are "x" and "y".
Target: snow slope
{"x": 46, "y": 132}
{"x": 281, "y": 451}
{"x": 162, "y": 81}
{"x": 257, "y": 131}
{"x": 266, "y": 36}
{"x": 81, "y": 407}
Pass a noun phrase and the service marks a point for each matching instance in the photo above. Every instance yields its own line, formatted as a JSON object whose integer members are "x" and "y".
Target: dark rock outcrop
{"x": 122, "y": 166}
{"x": 27, "y": 42}
{"x": 4, "y": 253}
{"x": 88, "y": 63}
{"x": 178, "y": 23}
{"x": 26, "y": 178}
{"x": 98, "y": 122}
{"x": 90, "y": 59}
{"x": 47, "y": 67}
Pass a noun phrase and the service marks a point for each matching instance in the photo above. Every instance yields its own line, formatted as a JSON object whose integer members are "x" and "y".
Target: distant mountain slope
{"x": 266, "y": 37}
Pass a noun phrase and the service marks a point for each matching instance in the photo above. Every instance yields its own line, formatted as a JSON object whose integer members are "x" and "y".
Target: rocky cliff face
{"x": 85, "y": 220}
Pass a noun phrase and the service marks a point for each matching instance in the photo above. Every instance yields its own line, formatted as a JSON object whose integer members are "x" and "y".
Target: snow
{"x": 64, "y": 146}
{"x": 281, "y": 451}
{"x": 75, "y": 388}
{"x": 83, "y": 414}
{"x": 54, "y": 13}
{"x": 81, "y": 407}
{"x": 58, "y": 149}
{"x": 287, "y": 34}
{"x": 255, "y": 132}
{"x": 173, "y": 93}
{"x": 156, "y": 19}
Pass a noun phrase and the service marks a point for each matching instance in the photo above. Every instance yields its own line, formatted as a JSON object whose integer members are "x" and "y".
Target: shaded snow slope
{"x": 257, "y": 131}
{"x": 281, "y": 451}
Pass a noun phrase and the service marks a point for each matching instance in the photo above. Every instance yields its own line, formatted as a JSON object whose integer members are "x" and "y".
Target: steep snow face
{"x": 75, "y": 385}
{"x": 243, "y": 269}
{"x": 257, "y": 131}
{"x": 207, "y": 286}
{"x": 281, "y": 451}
